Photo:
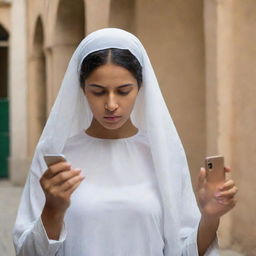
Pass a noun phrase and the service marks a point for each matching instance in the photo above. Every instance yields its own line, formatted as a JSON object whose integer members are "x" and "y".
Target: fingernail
{"x": 217, "y": 194}
{"x": 224, "y": 202}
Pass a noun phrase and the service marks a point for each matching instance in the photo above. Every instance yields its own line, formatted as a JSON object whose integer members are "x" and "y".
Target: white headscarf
{"x": 71, "y": 113}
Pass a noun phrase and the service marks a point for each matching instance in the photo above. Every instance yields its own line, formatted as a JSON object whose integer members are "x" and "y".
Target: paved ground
{"x": 230, "y": 253}
{"x": 9, "y": 200}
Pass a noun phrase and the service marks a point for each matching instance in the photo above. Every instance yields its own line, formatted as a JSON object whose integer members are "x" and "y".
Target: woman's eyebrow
{"x": 100, "y": 86}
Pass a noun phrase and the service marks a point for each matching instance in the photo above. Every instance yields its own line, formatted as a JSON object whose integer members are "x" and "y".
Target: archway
{"x": 122, "y": 15}
{"x": 69, "y": 31}
{"x": 37, "y": 88}
{"x": 4, "y": 102}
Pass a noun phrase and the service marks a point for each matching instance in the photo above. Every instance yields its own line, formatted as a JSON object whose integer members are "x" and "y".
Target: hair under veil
{"x": 71, "y": 113}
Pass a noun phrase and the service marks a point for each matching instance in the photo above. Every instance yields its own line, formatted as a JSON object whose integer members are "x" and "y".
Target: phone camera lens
{"x": 210, "y": 165}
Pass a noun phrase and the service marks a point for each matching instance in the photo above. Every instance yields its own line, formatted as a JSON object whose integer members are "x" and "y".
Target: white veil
{"x": 71, "y": 113}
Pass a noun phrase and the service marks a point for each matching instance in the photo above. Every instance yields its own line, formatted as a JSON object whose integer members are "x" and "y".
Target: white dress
{"x": 116, "y": 210}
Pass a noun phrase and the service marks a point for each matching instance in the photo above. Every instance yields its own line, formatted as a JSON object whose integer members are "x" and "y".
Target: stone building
{"x": 203, "y": 53}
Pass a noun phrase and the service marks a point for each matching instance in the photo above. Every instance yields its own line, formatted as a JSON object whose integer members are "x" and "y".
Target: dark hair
{"x": 121, "y": 57}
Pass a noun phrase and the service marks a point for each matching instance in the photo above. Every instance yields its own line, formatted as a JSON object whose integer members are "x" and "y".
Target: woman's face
{"x": 111, "y": 90}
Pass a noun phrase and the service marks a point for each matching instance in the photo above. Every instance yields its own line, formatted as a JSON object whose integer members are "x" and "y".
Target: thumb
{"x": 201, "y": 178}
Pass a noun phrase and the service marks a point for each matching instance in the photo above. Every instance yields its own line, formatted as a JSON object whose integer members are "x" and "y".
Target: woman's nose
{"x": 111, "y": 104}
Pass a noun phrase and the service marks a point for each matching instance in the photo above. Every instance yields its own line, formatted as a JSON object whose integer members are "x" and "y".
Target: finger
{"x": 61, "y": 177}
{"x": 56, "y": 168}
{"x": 71, "y": 182}
{"x": 227, "y": 185}
{"x": 228, "y": 202}
{"x": 228, "y": 193}
{"x": 201, "y": 178}
{"x": 72, "y": 189}
{"x": 227, "y": 169}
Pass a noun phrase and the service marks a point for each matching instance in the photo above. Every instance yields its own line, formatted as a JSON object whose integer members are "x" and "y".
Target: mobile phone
{"x": 51, "y": 159}
{"x": 214, "y": 166}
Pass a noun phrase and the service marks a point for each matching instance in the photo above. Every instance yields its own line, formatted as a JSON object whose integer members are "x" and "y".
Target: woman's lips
{"x": 112, "y": 119}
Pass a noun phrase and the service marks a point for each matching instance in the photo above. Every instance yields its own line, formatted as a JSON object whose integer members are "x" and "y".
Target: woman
{"x": 125, "y": 188}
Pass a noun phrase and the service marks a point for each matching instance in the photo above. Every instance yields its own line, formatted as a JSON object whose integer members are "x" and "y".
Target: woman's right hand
{"x": 58, "y": 183}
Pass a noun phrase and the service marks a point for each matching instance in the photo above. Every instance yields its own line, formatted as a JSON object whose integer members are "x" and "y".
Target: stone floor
{"x": 230, "y": 253}
{"x": 9, "y": 200}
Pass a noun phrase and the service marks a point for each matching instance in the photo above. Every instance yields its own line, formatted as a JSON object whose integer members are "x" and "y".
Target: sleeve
{"x": 29, "y": 235}
{"x": 190, "y": 218}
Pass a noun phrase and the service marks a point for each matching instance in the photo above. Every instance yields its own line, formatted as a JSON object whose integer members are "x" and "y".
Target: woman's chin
{"x": 112, "y": 124}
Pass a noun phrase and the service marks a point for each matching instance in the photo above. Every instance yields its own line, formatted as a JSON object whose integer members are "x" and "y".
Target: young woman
{"x": 125, "y": 189}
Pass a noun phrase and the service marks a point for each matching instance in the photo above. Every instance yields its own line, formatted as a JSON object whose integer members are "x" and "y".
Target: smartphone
{"x": 214, "y": 166}
{"x": 51, "y": 159}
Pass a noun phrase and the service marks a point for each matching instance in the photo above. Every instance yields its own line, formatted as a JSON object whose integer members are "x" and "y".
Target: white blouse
{"x": 115, "y": 211}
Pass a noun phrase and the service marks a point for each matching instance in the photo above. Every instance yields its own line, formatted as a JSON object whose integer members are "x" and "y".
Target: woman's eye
{"x": 98, "y": 93}
{"x": 124, "y": 93}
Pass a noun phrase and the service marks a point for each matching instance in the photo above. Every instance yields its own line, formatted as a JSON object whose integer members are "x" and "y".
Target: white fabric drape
{"x": 71, "y": 113}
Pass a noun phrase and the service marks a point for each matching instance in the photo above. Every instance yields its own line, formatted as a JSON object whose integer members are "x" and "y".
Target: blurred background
{"x": 203, "y": 53}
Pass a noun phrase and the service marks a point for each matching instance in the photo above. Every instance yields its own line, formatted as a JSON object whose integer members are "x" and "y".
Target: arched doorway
{"x": 37, "y": 88}
{"x": 122, "y": 15}
{"x": 4, "y": 102}
{"x": 68, "y": 32}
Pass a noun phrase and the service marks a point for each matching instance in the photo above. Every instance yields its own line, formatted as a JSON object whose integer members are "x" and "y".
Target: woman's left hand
{"x": 215, "y": 200}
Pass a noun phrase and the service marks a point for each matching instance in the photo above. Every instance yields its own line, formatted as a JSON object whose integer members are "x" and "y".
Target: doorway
{"x": 4, "y": 103}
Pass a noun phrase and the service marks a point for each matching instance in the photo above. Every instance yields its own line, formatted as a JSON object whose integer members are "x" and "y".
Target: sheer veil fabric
{"x": 71, "y": 113}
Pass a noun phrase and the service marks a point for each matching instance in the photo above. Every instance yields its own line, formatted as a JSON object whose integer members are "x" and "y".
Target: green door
{"x": 4, "y": 103}
{"x": 4, "y": 137}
